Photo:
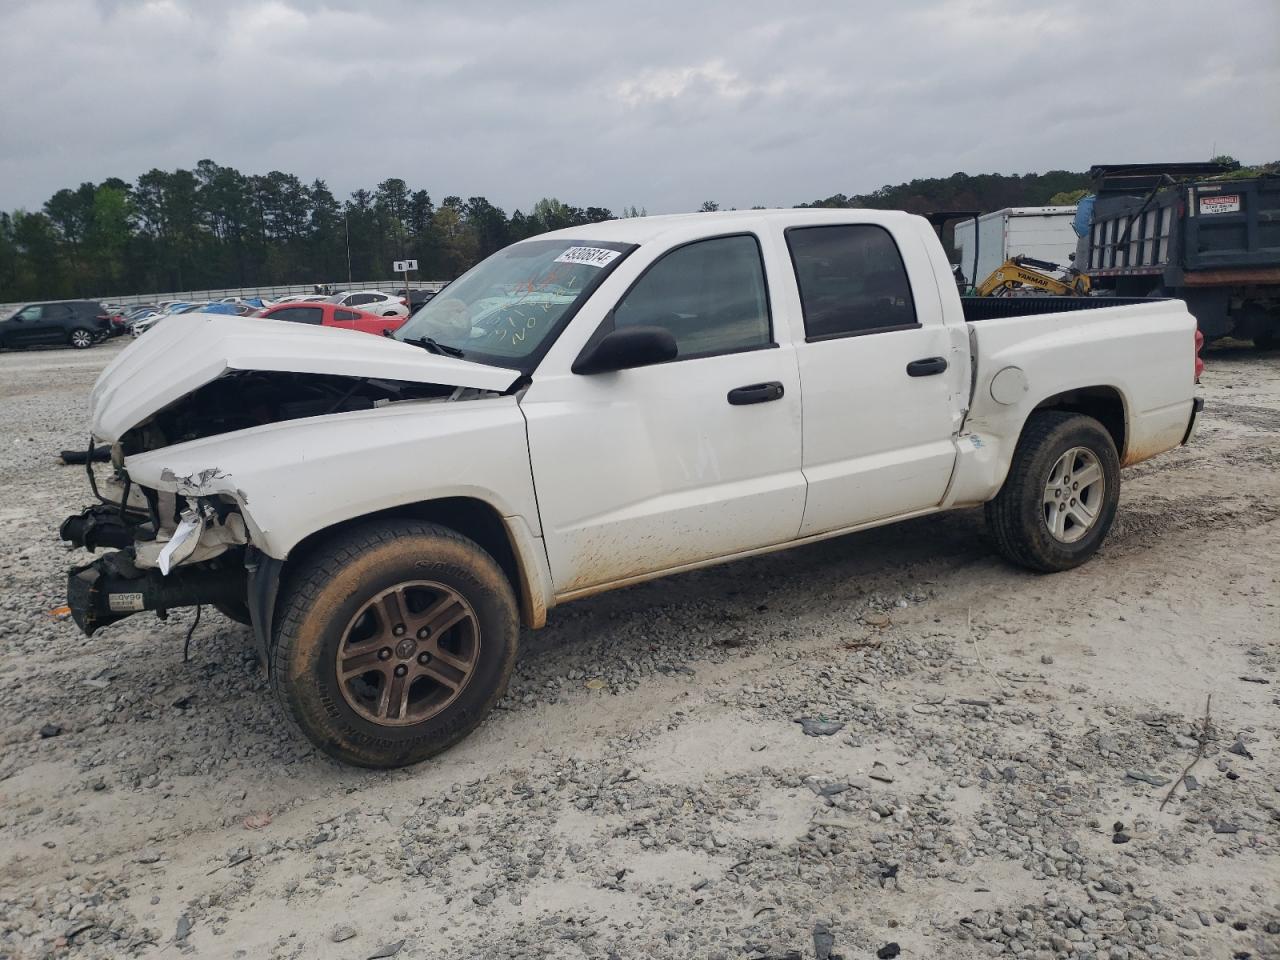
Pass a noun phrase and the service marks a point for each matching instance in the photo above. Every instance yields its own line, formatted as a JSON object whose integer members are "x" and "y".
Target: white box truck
{"x": 1044, "y": 233}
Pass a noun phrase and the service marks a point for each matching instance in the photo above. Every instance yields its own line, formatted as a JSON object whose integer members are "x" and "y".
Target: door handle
{"x": 927, "y": 367}
{"x": 756, "y": 393}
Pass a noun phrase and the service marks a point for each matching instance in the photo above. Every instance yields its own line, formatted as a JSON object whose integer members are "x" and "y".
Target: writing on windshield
{"x": 505, "y": 306}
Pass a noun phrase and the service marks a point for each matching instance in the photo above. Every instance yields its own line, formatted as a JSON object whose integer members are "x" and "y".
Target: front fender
{"x": 298, "y": 477}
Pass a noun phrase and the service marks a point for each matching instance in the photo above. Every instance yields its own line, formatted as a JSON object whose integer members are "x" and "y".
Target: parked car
{"x": 591, "y": 408}
{"x": 230, "y": 309}
{"x": 299, "y": 298}
{"x": 80, "y": 323}
{"x": 332, "y": 315}
{"x": 147, "y": 321}
{"x": 373, "y": 301}
{"x": 136, "y": 310}
{"x": 141, "y": 324}
{"x": 416, "y": 299}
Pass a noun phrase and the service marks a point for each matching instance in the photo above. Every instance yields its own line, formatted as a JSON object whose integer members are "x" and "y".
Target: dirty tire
{"x": 80, "y": 338}
{"x": 334, "y": 583}
{"x": 1016, "y": 517}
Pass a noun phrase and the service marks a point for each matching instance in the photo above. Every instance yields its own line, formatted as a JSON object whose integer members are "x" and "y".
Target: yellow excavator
{"x": 1019, "y": 275}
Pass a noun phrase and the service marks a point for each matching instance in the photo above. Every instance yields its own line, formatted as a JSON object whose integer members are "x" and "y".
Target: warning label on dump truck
{"x": 591, "y": 256}
{"x": 1227, "y": 203}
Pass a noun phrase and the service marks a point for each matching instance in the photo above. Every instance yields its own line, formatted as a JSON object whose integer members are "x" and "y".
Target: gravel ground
{"x": 890, "y": 741}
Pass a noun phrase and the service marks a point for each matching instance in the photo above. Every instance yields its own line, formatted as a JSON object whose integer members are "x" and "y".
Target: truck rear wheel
{"x": 1060, "y": 496}
{"x": 394, "y": 642}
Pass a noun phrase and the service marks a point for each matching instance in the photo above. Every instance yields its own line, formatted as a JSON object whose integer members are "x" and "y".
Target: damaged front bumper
{"x": 168, "y": 549}
{"x": 193, "y": 558}
{"x": 112, "y": 588}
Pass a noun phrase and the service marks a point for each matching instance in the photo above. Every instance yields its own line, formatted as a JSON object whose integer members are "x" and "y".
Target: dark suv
{"x": 80, "y": 323}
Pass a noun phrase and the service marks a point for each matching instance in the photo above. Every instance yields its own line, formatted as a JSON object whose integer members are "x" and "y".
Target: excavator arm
{"x": 1026, "y": 272}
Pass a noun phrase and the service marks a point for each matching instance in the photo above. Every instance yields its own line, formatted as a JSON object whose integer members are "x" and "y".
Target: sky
{"x": 655, "y": 104}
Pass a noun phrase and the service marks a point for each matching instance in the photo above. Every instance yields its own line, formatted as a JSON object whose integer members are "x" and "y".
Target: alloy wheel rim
{"x": 408, "y": 653}
{"x": 1073, "y": 495}
{"x": 80, "y": 338}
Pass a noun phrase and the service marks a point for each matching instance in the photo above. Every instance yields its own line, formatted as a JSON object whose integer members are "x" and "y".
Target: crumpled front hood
{"x": 187, "y": 351}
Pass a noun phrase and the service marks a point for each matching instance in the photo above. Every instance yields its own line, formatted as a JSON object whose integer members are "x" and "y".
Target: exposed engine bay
{"x": 196, "y": 527}
{"x": 243, "y": 399}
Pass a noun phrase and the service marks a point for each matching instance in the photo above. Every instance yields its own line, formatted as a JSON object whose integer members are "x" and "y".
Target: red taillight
{"x": 1199, "y": 346}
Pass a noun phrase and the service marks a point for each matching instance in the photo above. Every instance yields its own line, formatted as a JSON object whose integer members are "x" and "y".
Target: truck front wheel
{"x": 394, "y": 642}
{"x": 1060, "y": 496}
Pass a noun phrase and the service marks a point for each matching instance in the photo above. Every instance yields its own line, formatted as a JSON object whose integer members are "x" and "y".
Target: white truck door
{"x": 881, "y": 376}
{"x": 648, "y": 469}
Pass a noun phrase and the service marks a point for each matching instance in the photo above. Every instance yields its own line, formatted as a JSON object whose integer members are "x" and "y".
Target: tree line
{"x": 214, "y": 227}
{"x": 961, "y": 191}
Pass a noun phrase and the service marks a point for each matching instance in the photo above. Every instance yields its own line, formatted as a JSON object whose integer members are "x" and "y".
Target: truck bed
{"x": 988, "y": 308}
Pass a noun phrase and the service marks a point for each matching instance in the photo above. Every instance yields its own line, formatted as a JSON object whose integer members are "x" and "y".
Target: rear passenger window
{"x": 709, "y": 294}
{"x": 299, "y": 315}
{"x": 852, "y": 280}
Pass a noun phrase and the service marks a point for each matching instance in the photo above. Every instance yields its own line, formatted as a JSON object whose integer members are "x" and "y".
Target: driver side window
{"x": 710, "y": 294}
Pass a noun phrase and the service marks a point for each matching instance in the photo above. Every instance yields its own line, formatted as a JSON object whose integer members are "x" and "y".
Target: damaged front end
{"x": 202, "y": 403}
{"x": 184, "y": 540}
{"x": 151, "y": 534}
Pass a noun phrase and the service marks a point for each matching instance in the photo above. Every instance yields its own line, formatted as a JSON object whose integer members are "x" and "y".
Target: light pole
{"x": 346, "y": 218}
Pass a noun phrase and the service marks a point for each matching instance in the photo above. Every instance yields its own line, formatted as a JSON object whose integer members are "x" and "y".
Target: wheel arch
{"x": 1106, "y": 404}
{"x": 472, "y": 517}
{"x": 506, "y": 539}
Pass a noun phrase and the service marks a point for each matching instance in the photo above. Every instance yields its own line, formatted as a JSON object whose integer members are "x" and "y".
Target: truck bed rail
{"x": 990, "y": 308}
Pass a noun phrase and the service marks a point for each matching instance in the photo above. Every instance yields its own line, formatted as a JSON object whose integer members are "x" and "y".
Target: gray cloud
{"x": 659, "y": 104}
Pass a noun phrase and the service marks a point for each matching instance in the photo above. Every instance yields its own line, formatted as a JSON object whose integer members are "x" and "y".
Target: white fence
{"x": 267, "y": 293}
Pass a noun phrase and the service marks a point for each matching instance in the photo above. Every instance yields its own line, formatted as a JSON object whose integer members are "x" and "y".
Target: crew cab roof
{"x": 646, "y": 229}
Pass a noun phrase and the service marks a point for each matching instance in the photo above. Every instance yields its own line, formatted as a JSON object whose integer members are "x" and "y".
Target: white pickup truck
{"x": 584, "y": 410}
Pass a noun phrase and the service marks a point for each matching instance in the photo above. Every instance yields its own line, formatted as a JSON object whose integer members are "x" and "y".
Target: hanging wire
{"x": 186, "y": 645}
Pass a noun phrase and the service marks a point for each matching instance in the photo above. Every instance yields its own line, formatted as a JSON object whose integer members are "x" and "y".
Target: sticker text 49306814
{"x": 589, "y": 256}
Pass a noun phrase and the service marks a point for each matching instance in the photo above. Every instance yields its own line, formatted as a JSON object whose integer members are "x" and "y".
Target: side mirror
{"x": 627, "y": 348}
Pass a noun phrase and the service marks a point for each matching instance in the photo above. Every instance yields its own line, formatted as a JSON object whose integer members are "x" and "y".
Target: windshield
{"x": 507, "y": 309}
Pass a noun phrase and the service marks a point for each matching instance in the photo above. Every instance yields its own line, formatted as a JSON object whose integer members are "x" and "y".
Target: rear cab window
{"x": 852, "y": 281}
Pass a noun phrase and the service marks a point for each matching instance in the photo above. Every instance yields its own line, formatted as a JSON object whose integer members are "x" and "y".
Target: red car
{"x": 332, "y": 315}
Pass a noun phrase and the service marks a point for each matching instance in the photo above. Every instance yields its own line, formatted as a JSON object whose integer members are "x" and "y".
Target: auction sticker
{"x": 591, "y": 256}
{"x": 1227, "y": 203}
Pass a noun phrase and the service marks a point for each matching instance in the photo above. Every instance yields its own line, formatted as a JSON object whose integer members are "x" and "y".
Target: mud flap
{"x": 263, "y": 588}
{"x": 1196, "y": 406}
